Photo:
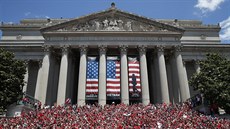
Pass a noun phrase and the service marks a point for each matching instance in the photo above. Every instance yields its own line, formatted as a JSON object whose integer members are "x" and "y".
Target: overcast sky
{"x": 209, "y": 11}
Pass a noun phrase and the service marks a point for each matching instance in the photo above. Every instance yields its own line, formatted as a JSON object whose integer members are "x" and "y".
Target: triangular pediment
{"x": 112, "y": 20}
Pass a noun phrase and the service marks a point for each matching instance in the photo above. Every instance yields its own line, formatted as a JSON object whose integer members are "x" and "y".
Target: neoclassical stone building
{"x": 110, "y": 56}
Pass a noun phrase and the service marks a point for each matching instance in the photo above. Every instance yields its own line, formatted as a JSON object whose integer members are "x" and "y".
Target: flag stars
{"x": 92, "y": 70}
{"x": 111, "y": 69}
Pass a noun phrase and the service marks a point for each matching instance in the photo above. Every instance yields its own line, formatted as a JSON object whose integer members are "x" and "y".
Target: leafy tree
{"x": 11, "y": 79}
{"x": 213, "y": 80}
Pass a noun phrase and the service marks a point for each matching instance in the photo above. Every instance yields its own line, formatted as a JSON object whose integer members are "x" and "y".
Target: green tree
{"x": 213, "y": 80}
{"x": 11, "y": 78}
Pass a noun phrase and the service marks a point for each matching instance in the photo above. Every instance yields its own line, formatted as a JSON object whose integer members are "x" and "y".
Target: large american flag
{"x": 113, "y": 77}
{"x": 92, "y": 77}
{"x": 134, "y": 68}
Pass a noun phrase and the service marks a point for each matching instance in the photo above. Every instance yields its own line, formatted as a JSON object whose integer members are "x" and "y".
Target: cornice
{"x": 19, "y": 27}
{"x": 202, "y": 28}
{"x": 61, "y": 34}
{"x": 206, "y": 45}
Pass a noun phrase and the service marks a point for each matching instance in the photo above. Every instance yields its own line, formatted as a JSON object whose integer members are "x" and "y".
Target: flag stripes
{"x": 92, "y": 77}
{"x": 113, "y": 77}
{"x": 113, "y": 86}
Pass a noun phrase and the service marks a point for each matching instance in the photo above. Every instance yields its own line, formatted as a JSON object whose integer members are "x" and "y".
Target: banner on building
{"x": 134, "y": 78}
{"x": 92, "y": 78}
{"x": 113, "y": 78}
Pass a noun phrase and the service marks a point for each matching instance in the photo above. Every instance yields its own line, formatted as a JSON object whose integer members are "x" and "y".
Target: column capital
{"x": 178, "y": 48}
{"x": 83, "y": 48}
{"x": 102, "y": 48}
{"x": 123, "y": 48}
{"x": 142, "y": 48}
{"x": 26, "y": 62}
{"x": 160, "y": 48}
{"x": 46, "y": 48}
{"x": 65, "y": 49}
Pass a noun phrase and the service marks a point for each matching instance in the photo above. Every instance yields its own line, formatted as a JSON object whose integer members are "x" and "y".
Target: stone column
{"x": 162, "y": 74}
{"x": 169, "y": 77}
{"x": 184, "y": 89}
{"x": 144, "y": 75}
{"x": 63, "y": 76}
{"x": 42, "y": 84}
{"x": 197, "y": 66}
{"x": 82, "y": 76}
{"x": 37, "y": 88}
{"x": 102, "y": 76}
{"x": 175, "y": 80}
{"x": 26, "y": 77}
{"x": 186, "y": 77}
{"x": 124, "y": 75}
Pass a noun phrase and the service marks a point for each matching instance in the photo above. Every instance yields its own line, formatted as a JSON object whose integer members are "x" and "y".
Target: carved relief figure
{"x": 129, "y": 26}
{"x": 113, "y": 24}
{"x": 106, "y": 23}
{"x": 120, "y": 24}
{"x": 86, "y": 27}
{"x": 97, "y": 25}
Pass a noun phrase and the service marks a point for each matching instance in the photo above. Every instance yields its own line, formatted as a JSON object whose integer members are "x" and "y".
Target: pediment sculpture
{"x": 111, "y": 24}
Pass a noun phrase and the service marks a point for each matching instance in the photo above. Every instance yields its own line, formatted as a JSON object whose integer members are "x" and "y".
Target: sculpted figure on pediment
{"x": 120, "y": 23}
{"x": 97, "y": 25}
{"x": 129, "y": 26}
{"x": 82, "y": 27}
{"x": 112, "y": 24}
{"x": 105, "y": 23}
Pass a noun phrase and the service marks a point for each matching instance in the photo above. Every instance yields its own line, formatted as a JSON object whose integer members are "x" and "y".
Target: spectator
{"x": 115, "y": 116}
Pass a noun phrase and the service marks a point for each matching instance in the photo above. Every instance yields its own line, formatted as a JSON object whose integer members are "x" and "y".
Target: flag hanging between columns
{"x": 134, "y": 77}
{"x": 113, "y": 77}
{"x": 92, "y": 78}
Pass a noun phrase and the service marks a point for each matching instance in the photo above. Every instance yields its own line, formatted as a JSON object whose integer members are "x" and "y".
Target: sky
{"x": 208, "y": 11}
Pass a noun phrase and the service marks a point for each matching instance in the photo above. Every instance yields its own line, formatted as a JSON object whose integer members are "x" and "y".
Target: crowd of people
{"x": 178, "y": 116}
{"x": 196, "y": 100}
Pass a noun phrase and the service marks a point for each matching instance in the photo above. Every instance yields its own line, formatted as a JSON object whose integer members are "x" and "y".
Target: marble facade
{"x": 56, "y": 52}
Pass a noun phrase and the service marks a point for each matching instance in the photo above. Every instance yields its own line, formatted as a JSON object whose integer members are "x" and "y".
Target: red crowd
{"x": 137, "y": 116}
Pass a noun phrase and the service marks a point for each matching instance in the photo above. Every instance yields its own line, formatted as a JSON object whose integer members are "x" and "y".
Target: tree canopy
{"x": 11, "y": 78}
{"x": 213, "y": 80}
